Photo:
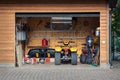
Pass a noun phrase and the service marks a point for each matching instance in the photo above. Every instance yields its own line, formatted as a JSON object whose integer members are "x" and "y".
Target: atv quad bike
{"x": 65, "y": 53}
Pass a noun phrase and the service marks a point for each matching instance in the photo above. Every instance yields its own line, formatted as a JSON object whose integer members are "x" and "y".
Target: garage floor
{"x": 62, "y": 72}
{"x": 62, "y": 66}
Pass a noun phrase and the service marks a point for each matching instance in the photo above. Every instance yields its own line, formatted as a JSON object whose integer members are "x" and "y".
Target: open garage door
{"x": 40, "y": 33}
{"x": 94, "y": 14}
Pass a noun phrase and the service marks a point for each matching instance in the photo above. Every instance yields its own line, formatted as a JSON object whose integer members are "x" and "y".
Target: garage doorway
{"x": 32, "y": 28}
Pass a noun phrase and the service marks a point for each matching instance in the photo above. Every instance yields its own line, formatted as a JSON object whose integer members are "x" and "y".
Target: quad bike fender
{"x": 73, "y": 49}
{"x": 58, "y": 49}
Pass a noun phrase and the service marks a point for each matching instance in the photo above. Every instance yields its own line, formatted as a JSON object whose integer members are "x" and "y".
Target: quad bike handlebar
{"x": 66, "y": 41}
{"x": 66, "y": 44}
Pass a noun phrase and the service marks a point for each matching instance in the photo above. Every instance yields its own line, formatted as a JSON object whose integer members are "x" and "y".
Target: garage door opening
{"x": 39, "y": 34}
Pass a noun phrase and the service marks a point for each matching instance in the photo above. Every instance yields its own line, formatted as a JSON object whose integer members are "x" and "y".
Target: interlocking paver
{"x": 62, "y": 72}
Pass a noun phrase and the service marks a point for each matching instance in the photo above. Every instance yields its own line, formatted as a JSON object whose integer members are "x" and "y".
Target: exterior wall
{"x": 104, "y": 36}
{"x": 8, "y": 22}
{"x": 7, "y": 38}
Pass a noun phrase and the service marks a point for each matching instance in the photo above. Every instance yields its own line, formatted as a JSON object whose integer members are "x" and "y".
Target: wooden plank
{"x": 7, "y": 41}
{"x": 103, "y": 58}
{"x": 104, "y": 39}
{"x": 2, "y": 39}
{"x": 2, "y": 26}
{"x": 6, "y": 51}
{"x": 6, "y": 31}
{"x": 103, "y": 28}
{"x": 103, "y": 22}
{"x": 7, "y": 61}
{"x": 103, "y": 35}
{"x": 23, "y": 2}
{"x": 104, "y": 31}
{"x": 6, "y": 15}
{"x": 51, "y": 5}
{"x": 58, "y": 8}
{"x": 7, "y": 55}
{"x": 9, "y": 37}
{"x": 103, "y": 47}
{"x": 8, "y": 22}
{"x": 7, "y": 48}
{"x": 6, "y": 44}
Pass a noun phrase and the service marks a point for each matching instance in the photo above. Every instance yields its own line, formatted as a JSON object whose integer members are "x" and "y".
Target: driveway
{"x": 60, "y": 72}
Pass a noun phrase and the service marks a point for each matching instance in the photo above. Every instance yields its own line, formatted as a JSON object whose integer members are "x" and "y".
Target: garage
{"x": 54, "y": 28}
{"x": 42, "y": 18}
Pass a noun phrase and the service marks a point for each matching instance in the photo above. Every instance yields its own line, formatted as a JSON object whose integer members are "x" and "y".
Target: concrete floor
{"x": 116, "y": 64}
{"x": 48, "y": 71}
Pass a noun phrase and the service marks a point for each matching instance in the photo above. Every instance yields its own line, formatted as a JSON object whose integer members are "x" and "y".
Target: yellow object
{"x": 98, "y": 28}
{"x": 73, "y": 49}
{"x": 96, "y": 39}
{"x": 37, "y": 55}
{"x": 48, "y": 54}
{"x": 38, "y": 60}
{"x": 58, "y": 49}
{"x": 66, "y": 42}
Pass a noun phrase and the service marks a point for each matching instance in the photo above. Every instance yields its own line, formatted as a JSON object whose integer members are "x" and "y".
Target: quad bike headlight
{"x": 58, "y": 49}
{"x": 73, "y": 49}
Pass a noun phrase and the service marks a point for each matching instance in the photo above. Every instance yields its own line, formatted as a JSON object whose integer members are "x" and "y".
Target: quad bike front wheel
{"x": 57, "y": 58}
{"x": 74, "y": 58}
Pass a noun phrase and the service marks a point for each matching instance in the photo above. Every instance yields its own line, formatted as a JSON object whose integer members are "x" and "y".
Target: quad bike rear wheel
{"x": 74, "y": 58}
{"x": 57, "y": 58}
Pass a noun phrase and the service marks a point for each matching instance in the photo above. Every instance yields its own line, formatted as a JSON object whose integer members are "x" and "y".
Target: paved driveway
{"x": 62, "y": 72}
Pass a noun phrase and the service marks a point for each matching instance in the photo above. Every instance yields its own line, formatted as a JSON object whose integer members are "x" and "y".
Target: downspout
{"x": 110, "y": 39}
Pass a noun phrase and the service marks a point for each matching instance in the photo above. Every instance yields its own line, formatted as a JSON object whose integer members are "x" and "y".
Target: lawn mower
{"x": 65, "y": 53}
{"x": 41, "y": 53}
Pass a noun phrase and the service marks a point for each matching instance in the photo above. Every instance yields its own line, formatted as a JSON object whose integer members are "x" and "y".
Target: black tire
{"x": 83, "y": 59}
{"x": 89, "y": 58}
{"x": 57, "y": 58}
{"x": 74, "y": 58}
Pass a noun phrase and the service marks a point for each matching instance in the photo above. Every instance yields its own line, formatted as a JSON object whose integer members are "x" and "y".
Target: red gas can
{"x": 44, "y": 42}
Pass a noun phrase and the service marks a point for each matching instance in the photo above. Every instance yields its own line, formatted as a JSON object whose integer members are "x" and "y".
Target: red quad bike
{"x": 87, "y": 52}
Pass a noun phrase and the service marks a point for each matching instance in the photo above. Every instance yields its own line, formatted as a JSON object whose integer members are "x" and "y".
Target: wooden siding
{"x": 51, "y": 1}
{"x": 8, "y": 15}
{"x": 54, "y": 8}
{"x": 7, "y": 37}
{"x": 104, "y": 36}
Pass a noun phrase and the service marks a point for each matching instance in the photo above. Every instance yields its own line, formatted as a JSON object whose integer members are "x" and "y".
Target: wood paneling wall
{"x": 7, "y": 26}
{"x": 104, "y": 35}
{"x": 93, "y": 23}
{"x": 7, "y": 37}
